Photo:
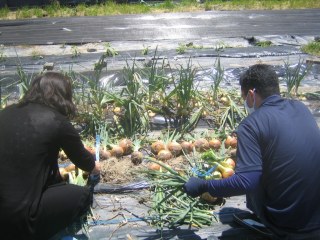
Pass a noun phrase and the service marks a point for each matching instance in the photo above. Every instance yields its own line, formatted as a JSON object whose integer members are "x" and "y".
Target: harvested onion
{"x": 215, "y": 144}
{"x": 136, "y": 157}
{"x": 201, "y": 144}
{"x": 175, "y": 148}
{"x": 164, "y": 155}
{"x": 126, "y": 145}
{"x": 117, "y": 151}
{"x": 186, "y": 147}
{"x": 157, "y": 146}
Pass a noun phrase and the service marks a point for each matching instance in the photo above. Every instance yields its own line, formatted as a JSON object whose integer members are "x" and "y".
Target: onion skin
{"x": 157, "y": 146}
{"x": 175, "y": 148}
{"x": 136, "y": 157}
{"x": 215, "y": 144}
{"x": 201, "y": 145}
{"x": 164, "y": 155}
{"x": 187, "y": 147}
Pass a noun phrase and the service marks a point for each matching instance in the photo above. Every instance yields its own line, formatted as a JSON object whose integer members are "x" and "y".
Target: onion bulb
{"x": 117, "y": 151}
{"x": 229, "y": 162}
{"x": 215, "y": 144}
{"x": 231, "y": 142}
{"x": 105, "y": 154}
{"x": 175, "y": 148}
{"x": 201, "y": 145}
{"x": 233, "y": 153}
{"x": 186, "y": 146}
{"x": 126, "y": 145}
{"x": 154, "y": 166}
{"x": 157, "y": 146}
{"x": 136, "y": 157}
{"x": 225, "y": 171}
{"x": 164, "y": 155}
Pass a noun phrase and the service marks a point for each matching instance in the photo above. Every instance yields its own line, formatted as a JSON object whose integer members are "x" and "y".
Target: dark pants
{"x": 61, "y": 205}
{"x": 255, "y": 204}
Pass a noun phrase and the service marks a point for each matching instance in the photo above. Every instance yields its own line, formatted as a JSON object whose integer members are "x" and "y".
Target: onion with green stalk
{"x": 136, "y": 155}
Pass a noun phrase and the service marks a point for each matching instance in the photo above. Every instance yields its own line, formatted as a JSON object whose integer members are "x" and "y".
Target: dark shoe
{"x": 251, "y": 221}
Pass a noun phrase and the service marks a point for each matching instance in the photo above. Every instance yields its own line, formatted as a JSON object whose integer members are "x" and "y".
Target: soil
{"x": 122, "y": 170}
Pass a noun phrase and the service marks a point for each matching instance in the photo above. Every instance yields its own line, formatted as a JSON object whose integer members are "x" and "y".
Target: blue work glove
{"x": 195, "y": 187}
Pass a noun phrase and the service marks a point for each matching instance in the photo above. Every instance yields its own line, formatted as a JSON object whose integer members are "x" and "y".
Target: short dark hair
{"x": 262, "y": 78}
{"x": 52, "y": 89}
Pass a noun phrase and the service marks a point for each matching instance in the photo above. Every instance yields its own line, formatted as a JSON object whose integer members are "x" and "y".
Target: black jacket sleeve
{"x": 72, "y": 145}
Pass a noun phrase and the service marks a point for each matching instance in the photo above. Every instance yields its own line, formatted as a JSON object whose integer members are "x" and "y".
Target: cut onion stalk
{"x": 201, "y": 144}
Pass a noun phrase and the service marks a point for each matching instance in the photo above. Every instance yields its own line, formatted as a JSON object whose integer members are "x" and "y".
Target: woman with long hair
{"x": 34, "y": 201}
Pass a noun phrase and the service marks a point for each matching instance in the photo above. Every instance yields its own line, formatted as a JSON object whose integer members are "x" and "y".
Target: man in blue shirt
{"x": 278, "y": 160}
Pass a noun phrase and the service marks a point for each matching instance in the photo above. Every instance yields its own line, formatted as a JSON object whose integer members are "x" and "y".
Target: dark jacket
{"x": 30, "y": 139}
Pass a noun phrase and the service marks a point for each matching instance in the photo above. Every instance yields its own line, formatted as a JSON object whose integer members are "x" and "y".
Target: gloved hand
{"x": 195, "y": 187}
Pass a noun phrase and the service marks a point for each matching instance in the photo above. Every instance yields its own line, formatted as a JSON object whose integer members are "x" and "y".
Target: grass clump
{"x": 312, "y": 48}
{"x": 110, "y": 7}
